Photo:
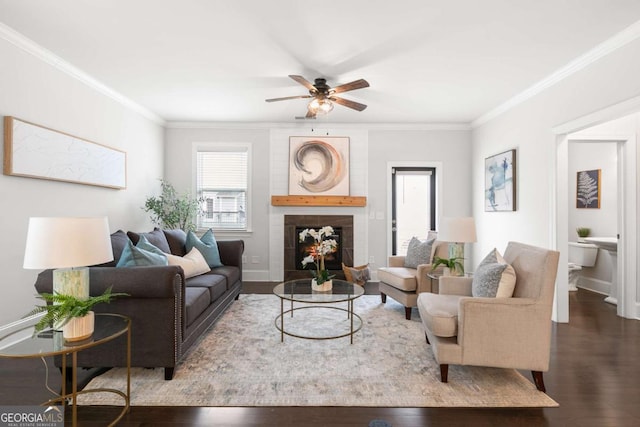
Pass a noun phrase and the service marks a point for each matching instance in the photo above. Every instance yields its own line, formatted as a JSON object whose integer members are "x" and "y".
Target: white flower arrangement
{"x": 322, "y": 247}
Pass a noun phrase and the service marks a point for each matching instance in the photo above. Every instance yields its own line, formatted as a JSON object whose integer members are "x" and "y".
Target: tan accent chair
{"x": 403, "y": 284}
{"x": 496, "y": 332}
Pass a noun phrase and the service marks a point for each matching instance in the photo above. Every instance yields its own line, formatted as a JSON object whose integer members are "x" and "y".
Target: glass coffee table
{"x": 299, "y": 291}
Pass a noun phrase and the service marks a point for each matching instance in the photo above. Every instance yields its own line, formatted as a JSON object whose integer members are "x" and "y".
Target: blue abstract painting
{"x": 500, "y": 183}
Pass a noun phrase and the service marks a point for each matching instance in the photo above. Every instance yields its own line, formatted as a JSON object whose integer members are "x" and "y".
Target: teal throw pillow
{"x": 207, "y": 246}
{"x": 136, "y": 257}
{"x": 146, "y": 245}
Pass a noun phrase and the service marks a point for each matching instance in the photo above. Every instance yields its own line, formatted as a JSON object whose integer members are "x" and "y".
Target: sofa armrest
{"x": 231, "y": 252}
{"x": 505, "y": 332}
{"x": 138, "y": 282}
{"x": 455, "y": 285}
{"x": 155, "y": 306}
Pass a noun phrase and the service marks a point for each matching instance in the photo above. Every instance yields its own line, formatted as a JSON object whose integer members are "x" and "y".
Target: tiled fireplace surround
{"x": 315, "y": 221}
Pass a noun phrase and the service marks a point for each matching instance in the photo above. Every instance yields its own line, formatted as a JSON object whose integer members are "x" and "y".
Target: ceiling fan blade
{"x": 348, "y": 103}
{"x": 304, "y": 82}
{"x": 288, "y": 97}
{"x": 310, "y": 114}
{"x": 357, "y": 84}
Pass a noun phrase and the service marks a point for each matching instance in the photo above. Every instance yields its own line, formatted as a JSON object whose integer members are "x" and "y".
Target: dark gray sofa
{"x": 168, "y": 313}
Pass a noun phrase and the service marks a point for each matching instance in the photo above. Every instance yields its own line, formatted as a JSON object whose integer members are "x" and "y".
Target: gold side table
{"x": 51, "y": 343}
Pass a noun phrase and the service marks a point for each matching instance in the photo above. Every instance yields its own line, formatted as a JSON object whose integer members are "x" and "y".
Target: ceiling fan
{"x": 323, "y": 96}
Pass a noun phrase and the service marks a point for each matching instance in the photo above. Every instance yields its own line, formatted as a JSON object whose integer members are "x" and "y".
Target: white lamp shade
{"x": 457, "y": 230}
{"x": 67, "y": 242}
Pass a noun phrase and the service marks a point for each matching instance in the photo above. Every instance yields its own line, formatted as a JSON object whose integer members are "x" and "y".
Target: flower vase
{"x": 323, "y": 287}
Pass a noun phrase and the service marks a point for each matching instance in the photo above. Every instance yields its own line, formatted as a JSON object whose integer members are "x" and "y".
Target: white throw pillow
{"x": 192, "y": 263}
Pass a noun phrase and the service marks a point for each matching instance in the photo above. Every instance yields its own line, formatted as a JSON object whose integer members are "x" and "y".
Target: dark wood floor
{"x": 594, "y": 375}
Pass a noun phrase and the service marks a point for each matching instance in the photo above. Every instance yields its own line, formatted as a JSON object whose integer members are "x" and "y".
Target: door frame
{"x": 627, "y": 210}
{"x": 438, "y": 189}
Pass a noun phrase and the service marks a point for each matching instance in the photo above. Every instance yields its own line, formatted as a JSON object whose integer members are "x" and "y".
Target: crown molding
{"x": 19, "y": 40}
{"x": 320, "y": 125}
{"x": 610, "y": 45}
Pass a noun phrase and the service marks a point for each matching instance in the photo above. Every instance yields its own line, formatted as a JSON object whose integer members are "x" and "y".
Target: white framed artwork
{"x": 35, "y": 151}
{"x": 319, "y": 166}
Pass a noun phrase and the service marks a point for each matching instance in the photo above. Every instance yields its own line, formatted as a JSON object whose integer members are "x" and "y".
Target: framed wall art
{"x": 500, "y": 182}
{"x": 319, "y": 166}
{"x": 588, "y": 189}
{"x": 35, "y": 151}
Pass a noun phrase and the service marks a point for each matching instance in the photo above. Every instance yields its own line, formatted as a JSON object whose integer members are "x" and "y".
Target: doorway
{"x": 622, "y": 132}
{"x": 413, "y": 205}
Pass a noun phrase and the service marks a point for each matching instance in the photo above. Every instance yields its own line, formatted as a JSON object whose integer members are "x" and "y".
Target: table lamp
{"x": 68, "y": 245}
{"x": 457, "y": 231}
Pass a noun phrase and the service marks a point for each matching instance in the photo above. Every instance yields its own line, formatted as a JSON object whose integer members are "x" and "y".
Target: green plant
{"x": 450, "y": 263}
{"x": 61, "y": 308}
{"x": 172, "y": 210}
{"x": 583, "y": 231}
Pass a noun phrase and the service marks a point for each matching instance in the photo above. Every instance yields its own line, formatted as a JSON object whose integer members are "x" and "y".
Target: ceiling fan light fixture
{"x": 320, "y": 106}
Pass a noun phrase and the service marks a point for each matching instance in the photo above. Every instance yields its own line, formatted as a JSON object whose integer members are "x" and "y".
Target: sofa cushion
{"x": 196, "y": 302}
{"x": 215, "y": 284}
{"x": 177, "y": 240}
{"x": 231, "y": 273}
{"x": 399, "y": 277}
{"x": 193, "y": 263}
{"x": 137, "y": 257}
{"x": 439, "y": 313}
{"x": 418, "y": 252}
{"x": 207, "y": 245}
{"x": 155, "y": 237}
{"x": 119, "y": 240}
{"x": 493, "y": 278}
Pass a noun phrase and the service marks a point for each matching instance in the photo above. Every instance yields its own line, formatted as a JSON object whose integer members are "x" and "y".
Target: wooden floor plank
{"x": 594, "y": 376}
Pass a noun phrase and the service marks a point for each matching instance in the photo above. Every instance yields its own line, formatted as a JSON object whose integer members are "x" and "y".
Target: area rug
{"x": 241, "y": 361}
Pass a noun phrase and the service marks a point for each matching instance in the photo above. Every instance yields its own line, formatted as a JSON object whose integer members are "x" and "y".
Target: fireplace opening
{"x": 332, "y": 261}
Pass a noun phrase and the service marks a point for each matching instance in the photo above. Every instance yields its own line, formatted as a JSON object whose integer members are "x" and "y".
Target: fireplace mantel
{"x": 319, "y": 201}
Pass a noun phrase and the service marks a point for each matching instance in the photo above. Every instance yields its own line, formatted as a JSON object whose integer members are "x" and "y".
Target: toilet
{"x": 580, "y": 255}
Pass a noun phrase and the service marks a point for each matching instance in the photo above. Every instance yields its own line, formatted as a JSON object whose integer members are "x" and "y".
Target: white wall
{"x": 528, "y": 127}
{"x": 179, "y": 172}
{"x": 35, "y": 91}
{"x": 371, "y": 148}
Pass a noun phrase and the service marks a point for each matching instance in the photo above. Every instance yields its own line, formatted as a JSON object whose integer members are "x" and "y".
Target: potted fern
{"x": 71, "y": 314}
{"x": 452, "y": 266}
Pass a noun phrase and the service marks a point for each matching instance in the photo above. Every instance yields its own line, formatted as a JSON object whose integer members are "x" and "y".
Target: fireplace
{"x": 332, "y": 261}
{"x": 294, "y": 252}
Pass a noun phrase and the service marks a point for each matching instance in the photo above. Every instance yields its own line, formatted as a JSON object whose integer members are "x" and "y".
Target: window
{"x": 222, "y": 176}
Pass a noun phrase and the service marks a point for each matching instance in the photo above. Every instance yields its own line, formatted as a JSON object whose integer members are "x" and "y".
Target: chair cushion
{"x": 399, "y": 277}
{"x": 418, "y": 252}
{"x": 494, "y": 277}
{"x": 439, "y": 313}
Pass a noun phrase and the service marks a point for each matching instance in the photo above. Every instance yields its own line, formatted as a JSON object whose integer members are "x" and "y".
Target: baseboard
{"x": 255, "y": 275}
{"x": 14, "y": 332}
{"x": 594, "y": 285}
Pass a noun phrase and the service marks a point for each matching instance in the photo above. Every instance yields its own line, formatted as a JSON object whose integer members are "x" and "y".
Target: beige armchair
{"x": 497, "y": 332}
{"x": 403, "y": 284}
